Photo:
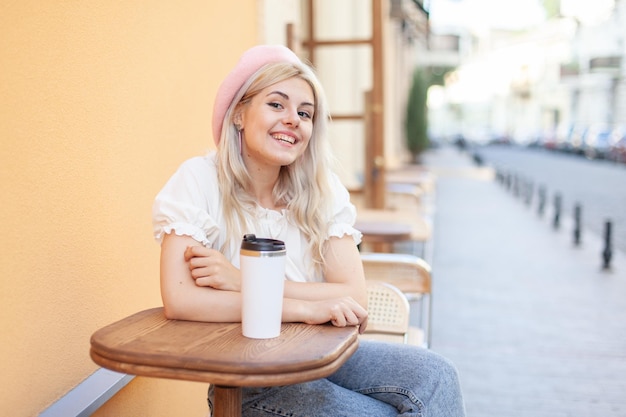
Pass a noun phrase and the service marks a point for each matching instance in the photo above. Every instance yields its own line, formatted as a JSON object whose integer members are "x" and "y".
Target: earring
{"x": 239, "y": 138}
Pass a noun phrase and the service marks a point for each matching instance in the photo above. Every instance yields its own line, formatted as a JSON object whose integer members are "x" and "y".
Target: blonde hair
{"x": 303, "y": 186}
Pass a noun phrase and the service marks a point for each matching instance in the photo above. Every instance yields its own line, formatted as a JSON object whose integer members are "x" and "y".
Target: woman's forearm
{"x": 217, "y": 306}
{"x": 318, "y": 291}
{"x": 203, "y": 304}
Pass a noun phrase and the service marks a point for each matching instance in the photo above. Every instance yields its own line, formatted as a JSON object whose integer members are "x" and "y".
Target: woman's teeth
{"x": 285, "y": 138}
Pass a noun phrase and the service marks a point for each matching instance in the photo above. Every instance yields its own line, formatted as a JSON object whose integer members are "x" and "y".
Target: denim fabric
{"x": 379, "y": 380}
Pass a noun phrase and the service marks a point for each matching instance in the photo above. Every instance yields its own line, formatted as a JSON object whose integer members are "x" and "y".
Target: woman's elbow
{"x": 173, "y": 310}
{"x": 170, "y": 313}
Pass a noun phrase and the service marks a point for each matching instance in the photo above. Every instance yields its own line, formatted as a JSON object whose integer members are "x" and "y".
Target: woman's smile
{"x": 282, "y": 137}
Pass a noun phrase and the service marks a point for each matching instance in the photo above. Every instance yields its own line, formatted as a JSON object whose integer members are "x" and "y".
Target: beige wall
{"x": 99, "y": 103}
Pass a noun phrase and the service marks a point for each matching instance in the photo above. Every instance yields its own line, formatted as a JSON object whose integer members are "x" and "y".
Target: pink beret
{"x": 250, "y": 62}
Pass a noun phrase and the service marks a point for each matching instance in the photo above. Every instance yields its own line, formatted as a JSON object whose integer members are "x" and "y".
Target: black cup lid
{"x": 251, "y": 242}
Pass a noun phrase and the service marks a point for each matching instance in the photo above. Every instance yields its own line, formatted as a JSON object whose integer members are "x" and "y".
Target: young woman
{"x": 271, "y": 175}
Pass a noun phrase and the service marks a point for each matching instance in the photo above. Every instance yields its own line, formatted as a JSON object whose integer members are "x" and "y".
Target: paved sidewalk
{"x": 534, "y": 325}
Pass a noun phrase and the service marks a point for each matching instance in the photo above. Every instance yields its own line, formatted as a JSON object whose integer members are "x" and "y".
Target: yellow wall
{"x": 99, "y": 103}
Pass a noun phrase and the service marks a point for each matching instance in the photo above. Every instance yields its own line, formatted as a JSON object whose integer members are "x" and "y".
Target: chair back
{"x": 388, "y": 311}
{"x": 412, "y": 276}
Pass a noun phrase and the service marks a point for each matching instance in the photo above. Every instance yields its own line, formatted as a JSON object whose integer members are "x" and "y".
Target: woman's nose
{"x": 292, "y": 118}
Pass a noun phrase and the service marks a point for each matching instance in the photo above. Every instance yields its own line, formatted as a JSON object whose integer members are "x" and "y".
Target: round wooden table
{"x": 382, "y": 232}
{"x": 148, "y": 344}
{"x": 382, "y": 228}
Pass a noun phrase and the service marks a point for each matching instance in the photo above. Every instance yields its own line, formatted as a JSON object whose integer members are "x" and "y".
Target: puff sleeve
{"x": 188, "y": 204}
{"x": 343, "y": 213}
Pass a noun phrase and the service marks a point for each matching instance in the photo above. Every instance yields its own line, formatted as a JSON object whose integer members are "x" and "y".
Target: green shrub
{"x": 416, "y": 121}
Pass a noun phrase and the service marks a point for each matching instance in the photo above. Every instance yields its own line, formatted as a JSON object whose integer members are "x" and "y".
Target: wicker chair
{"x": 388, "y": 310}
{"x": 412, "y": 276}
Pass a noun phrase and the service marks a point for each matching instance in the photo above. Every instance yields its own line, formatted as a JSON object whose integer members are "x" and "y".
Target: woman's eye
{"x": 304, "y": 114}
{"x": 275, "y": 105}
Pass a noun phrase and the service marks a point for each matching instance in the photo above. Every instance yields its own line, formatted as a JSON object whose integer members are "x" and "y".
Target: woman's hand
{"x": 210, "y": 268}
{"x": 341, "y": 312}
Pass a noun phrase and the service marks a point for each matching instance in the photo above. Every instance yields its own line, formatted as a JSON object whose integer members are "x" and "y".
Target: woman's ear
{"x": 238, "y": 119}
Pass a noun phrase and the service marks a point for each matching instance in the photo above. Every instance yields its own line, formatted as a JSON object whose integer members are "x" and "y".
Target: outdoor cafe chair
{"x": 412, "y": 276}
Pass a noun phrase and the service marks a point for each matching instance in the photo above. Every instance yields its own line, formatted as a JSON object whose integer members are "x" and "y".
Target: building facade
{"x": 545, "y": 83}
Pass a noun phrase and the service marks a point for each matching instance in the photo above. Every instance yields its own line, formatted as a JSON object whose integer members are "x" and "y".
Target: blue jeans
{"x": 379, "y": 380}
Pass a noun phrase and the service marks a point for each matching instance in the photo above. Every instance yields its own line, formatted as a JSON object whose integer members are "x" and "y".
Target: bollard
{"x": 607, "y": 253}
{"x": 577, "y": 229}
{"x": 557, "y": 211}
{"x": 530, "y": 188}
{"x": 542, "y": 200}
{"x": 478, "y": 160}
{"x": 502, "y": 178}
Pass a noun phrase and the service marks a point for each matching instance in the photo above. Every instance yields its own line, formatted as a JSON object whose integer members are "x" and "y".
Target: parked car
{"x": 558, "y": 141}
{"x": 575, "y": 142}
{"x": 596, "y": 142}
{"x": 568, "y": 138}
{"x": 617, "y": 151}
{"x": 545, "y": 138}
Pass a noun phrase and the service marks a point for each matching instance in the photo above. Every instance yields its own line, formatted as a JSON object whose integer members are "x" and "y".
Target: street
{"x": 598, "y": 186}
{"x": 535, "y": 326}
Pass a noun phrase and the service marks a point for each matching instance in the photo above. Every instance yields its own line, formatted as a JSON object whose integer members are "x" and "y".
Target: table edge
{"x": 229, "y": 379}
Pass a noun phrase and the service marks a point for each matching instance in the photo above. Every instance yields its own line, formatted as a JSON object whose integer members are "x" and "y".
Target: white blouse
{"x": 190, "y": 204}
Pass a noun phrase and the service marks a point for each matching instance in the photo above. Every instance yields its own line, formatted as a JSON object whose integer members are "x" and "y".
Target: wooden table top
{"x": 148, "y": 344}
{"x": 381, "y": 231}
{"x": 421, "y": 177}
{"x": 392, "y": 225}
